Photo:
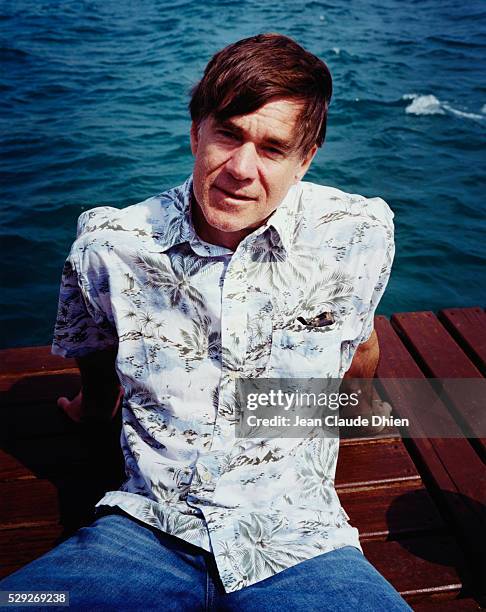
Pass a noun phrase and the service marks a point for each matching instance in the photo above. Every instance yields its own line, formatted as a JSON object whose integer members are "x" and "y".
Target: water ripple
{"x": 94, "y": 111}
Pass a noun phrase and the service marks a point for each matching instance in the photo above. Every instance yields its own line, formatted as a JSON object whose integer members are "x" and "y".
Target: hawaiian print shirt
{"x": 189, "y": 318}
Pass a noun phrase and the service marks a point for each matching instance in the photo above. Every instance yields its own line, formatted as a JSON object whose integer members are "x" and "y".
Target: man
{"x": 244, "y": 271}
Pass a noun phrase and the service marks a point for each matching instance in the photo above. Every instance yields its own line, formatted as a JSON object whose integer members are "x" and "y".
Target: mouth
{"x": 234, "y": 196}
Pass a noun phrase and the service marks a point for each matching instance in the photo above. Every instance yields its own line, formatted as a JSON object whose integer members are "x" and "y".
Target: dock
{"x": 419, "y": 503}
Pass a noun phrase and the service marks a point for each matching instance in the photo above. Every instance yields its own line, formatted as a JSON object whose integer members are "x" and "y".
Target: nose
{"x": 243, "y": 162}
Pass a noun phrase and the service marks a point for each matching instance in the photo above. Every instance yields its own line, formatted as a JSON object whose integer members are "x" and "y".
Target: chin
{"x": 226, "y": 222}
{"x": 220, "y": 214}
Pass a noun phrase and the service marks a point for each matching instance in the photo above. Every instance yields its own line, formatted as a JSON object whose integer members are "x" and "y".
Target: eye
{"x": 273, "y": 151}
{"x": 226, "y": 133}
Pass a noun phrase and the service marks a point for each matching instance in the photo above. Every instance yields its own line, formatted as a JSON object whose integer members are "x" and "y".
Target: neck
{"x": 229, "y": 240}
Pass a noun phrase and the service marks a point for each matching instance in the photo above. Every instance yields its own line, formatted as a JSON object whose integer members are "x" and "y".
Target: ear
{"x": 305, "y": 163}
{"x": 194, "y": 137}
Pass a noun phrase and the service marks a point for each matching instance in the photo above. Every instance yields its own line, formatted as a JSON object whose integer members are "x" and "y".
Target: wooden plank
{"x": 375, "y": 462}
{"x": 399, "y": 524}
{"x": 450, "y": 467}
{"x": 68, "y": 496}
{"x": 41, "y": 458}
{"x": 358, "y": 464}
{"x": 454, "y": 605}
{"x": 419, "y": 329}
{"x": 48, "y": 456}
{"x": 350, "y": 435}
{"x": 420, "y": 568}
{"x": 36, "y": 359}
{"x": 441, "y": 357}
{"x": 468, "y": 326}
{"x": 11, "y": 467}
{"x": 34, "y": 421}
{"x": 392, "y": 510}
{"x": 378, "y": 512}
{"x": 40, "y": 421}
{"x": 29, "y": 388}
{"x": 27, "y": 501}
{"x": 465, "y": 470}
{"x": 19, "y": 546}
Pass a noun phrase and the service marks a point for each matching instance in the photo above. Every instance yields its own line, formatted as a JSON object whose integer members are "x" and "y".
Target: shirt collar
{"x": 285, "y": 217}
{"x": 283, "y": 220}
{"x": 178, "y": 227}
{"x": 176, "y": 222}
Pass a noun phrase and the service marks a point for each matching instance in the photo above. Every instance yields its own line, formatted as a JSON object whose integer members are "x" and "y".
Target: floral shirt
{"x": 189, "y": 318}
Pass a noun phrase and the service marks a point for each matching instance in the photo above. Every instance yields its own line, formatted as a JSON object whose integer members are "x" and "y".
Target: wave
{"x": 454, "y": 42}
{"x": 13, "y": 54}
{"x": 430, "y": 105}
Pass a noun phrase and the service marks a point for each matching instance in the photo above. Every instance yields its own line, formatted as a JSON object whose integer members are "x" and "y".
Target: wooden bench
{"x": 418, "y": 503}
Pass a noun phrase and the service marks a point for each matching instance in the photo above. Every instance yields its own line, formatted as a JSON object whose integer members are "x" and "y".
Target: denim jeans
{"x": 119, "y": 563}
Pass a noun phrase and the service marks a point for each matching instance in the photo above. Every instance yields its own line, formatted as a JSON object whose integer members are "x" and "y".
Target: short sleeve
{"x": 381, "y": 263}
{"x": 378, "y": 292}
{"x": 81, "y": 328}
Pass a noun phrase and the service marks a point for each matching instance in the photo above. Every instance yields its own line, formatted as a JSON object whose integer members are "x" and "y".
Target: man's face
{"x": 243, "y": 169}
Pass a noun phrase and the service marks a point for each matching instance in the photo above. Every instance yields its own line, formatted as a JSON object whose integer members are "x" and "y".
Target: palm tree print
{"x": 316, "y": 469}
{"x": 265, "y": 547}
{"x": 189, "y": 320}
{"x": 173, "y": 277}
{"x": 330, "y": 293}
{"x": 271, "y": 265}
{"x": 177, "y": 201}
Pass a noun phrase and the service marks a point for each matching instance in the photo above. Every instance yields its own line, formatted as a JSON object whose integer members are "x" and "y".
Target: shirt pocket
{"x": 305, "y": 353}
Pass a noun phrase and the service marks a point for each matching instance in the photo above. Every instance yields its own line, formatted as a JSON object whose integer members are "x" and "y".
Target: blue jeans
{"x": 119, "y": 563}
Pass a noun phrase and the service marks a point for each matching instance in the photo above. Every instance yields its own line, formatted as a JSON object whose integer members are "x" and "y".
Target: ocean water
{"x": 93, "y": 110}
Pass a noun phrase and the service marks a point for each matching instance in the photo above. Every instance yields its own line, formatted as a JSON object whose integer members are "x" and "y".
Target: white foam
{"x": 459, "y": 113}
{"x": 430, "y": 105}
{"x": 337, "y": 51}
{"x": 424, "y": 105}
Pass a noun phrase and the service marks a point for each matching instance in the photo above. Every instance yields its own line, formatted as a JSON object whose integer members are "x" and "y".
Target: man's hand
{"x": 101, "y": 393}
{"x": 76, "y": 411}
{"x": 73, "y": 408}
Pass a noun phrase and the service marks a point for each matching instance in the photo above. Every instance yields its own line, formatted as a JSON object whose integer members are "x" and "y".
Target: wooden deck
{"x": 419, "y": 504}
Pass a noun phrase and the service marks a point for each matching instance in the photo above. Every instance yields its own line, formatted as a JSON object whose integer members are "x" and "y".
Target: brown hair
{"x": 244, "y": 76}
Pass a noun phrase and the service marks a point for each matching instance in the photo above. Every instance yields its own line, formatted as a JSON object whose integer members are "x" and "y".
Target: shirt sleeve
{"x": 382, "y": 260}
{"x": 378, "y": 292}
{"x": 82, "y": 325}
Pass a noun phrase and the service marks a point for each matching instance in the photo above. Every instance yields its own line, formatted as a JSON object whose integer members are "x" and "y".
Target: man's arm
{"x": 101, "y": 393}
{"x": 365, "y": 360}
{"x": 359, "y": 378}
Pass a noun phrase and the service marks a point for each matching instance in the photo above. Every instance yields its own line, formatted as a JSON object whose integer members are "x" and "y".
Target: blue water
{"x": 94, "y": 111}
